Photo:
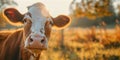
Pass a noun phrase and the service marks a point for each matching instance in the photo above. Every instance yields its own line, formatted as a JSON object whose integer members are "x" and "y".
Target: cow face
{"x": 37, "y": 24}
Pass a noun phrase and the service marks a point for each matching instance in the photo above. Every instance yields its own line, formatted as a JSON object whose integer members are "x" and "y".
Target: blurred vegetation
{"x": 94, "y": 43}
{"x": 84, "y": 44}
{"x": 86, "y": 13}
{"x": 92, "y": 8}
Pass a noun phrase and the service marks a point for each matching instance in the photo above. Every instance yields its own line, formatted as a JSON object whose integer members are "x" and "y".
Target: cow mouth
{"x": 36, "y": 50}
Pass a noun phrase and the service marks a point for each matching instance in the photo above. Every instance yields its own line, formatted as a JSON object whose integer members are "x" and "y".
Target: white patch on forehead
{"x": 38, "y": 25}
{"x": 38, "y": 9}
{"x": 39, "y": 16}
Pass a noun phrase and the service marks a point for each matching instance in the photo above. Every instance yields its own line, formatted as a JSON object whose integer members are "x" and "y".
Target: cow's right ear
{"x": 13, "y": 15}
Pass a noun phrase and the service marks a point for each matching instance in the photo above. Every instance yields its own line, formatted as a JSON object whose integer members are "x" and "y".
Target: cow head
{"x": 37, "y": 24}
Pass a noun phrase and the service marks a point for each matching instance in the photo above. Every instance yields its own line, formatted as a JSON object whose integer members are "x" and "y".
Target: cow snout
{"x": 37, "y": 42}
{"x": 40, "y": 40}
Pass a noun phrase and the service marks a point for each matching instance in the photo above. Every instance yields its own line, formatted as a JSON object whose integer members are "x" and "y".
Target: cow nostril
{"x": 31, "y": 40}
{"x": 42, "y": 41}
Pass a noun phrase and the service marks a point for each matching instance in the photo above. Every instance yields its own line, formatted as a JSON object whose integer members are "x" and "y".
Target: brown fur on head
{"x": 37, "y": 25}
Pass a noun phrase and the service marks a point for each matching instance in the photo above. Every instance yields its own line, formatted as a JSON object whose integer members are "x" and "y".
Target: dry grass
{"x": 84, "y": 44}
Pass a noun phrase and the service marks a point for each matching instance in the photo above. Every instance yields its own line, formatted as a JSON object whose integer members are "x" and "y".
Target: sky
{"x": 117, "y": 2}
{"x": 55, "y": 7}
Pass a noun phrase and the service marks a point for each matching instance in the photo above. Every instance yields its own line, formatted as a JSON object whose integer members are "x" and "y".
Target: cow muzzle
{"x": 36, "y": 42}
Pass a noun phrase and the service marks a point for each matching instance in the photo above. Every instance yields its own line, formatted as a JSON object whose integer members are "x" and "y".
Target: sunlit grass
{"x": 79, "y": 45}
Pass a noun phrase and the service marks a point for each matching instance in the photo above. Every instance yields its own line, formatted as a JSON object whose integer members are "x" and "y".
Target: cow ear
{"x": 61, "y": 21}
{"x": 13, "y": 15}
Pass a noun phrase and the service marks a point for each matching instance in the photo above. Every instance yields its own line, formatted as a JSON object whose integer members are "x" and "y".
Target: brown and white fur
{"x": 28, "y": 43}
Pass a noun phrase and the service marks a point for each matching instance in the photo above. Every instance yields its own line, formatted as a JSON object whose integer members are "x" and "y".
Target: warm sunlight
{"x": 86, "y": 30}
{"x": 55, "y": 7}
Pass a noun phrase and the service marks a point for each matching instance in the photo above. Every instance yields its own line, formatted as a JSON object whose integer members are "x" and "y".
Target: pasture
{"x": 93, "y": 43}
{"x": 84, "y": 44}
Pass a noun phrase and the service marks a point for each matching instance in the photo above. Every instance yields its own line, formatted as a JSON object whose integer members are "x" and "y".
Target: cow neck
{"x": 11, "y": 46}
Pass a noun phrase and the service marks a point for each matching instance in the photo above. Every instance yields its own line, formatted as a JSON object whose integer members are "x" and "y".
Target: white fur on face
{"x": 38, "y": 17}
{"x": 38, "y": 20}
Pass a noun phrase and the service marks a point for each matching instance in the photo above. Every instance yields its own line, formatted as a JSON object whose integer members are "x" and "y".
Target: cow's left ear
{"x": 61, "y": 21}
{"x": 13, "y": 15}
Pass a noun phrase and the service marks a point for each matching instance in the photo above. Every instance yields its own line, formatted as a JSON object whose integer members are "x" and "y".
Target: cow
{"x": 28, "y": 42}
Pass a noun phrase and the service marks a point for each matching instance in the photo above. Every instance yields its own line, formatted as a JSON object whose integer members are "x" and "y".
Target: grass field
{"x": 84, "y": 44}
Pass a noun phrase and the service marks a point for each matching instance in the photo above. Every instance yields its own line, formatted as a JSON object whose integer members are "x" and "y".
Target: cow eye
{"x": 25, "y": 20}
{"x": 41, "y": 30}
